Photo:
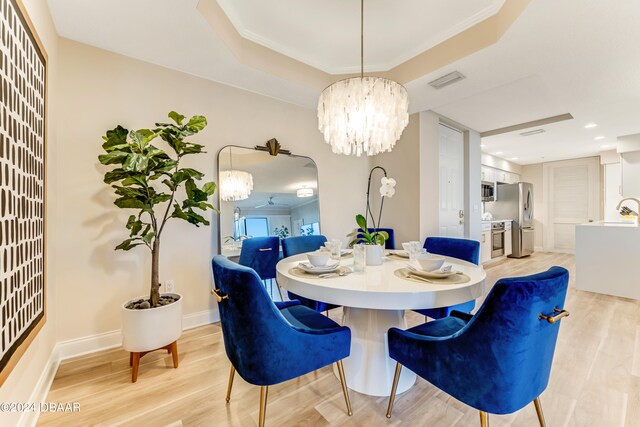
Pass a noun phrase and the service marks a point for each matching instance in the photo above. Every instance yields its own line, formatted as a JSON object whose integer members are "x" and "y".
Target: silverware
{"x": 422, "y": 279}
{"x": 335, "y": 274}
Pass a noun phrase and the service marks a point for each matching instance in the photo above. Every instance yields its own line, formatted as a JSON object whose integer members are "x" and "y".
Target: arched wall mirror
{"x": 283, "y": 200}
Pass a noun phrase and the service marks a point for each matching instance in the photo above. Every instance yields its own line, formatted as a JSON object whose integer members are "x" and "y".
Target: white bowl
{"x": 319, "y": 259}
{"x": 430, "y": 262}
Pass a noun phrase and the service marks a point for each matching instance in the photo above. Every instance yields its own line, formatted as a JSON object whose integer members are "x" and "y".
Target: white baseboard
{"x": 538, "y": 249}
{"x": 40, "y": 391}
{"x": 200, "y": 318}
{"x": 92, "y": 343}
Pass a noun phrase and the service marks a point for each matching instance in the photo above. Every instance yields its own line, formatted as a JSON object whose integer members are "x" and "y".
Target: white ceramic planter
{"x": 145, "y": 330}
{"x": 374, "y": 254}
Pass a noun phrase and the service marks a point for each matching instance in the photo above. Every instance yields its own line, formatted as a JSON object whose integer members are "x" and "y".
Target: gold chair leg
{"x": 279, "y": 290}
{"x": 344, "y": 386}
{"x": 264, "y": 391}
{"x": 392, "y": 396}
{"x": 231, "y": 375}
{"x": 484, "y": 419}
{"x": 536, "y": 402}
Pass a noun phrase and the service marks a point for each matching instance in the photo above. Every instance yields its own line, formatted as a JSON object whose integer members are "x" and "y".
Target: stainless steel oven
{"x": 497, "y": 239}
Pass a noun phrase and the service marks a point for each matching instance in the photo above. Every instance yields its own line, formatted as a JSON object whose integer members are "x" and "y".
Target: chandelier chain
{"x": 361, "y": 38}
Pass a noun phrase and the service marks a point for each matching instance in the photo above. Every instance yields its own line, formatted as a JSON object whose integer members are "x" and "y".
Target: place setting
{"x": 320, "y": 265}
{"x": 430, "y": 268}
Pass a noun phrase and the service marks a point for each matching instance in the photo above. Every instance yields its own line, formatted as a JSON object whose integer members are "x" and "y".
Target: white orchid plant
{"x": 375, "y": 237}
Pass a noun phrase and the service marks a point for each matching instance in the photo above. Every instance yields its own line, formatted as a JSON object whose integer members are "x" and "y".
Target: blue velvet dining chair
{"x": 261, "y": 254}
{"x": 267, "y": 346}
{"x": 497, "y": 361}
{"x": 390, "y": 243}
{"x": 296, "y": 245}
{"x": 464, "y": 249}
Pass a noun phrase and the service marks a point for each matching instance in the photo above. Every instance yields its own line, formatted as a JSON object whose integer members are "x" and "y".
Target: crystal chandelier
{"x": 363, "y": 114}
{"x": 235, "y": 184}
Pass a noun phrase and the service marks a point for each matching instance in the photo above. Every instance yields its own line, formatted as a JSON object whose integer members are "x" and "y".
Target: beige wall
{"x": 22, "y": 381}
{"x": 101, "y": 90}
{"x": 401, "y": 212}
{"x": 533, "y": 175}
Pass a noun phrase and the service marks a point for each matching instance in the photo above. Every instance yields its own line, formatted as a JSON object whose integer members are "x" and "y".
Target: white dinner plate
{"x": 437, "y": 274}
{"x": 308, "y": 268}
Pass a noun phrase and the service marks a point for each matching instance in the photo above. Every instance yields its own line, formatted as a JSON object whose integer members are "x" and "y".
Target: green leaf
{"x": 190, "y": 187}
{"x": 130, "y": 191}
{"x": 196, "y": 123}
{"x": 115, "y": 175}
{"x": 209, "y": 188}
{"x": 113, "y": 157}
{"x": 129, "y": 203}
{"x": 141, "y": 137}
{"x": 148, "y": 238}
{"x": 137, "y": 179}
{"x": 169, "y": 184}
{"x": 117, "y": 136}
{"x": 176, "y": 117}
{"x": 136, "y": 162}
{"x": 192, "y": 173}
{"x": 190, "y": 148}
{"x": 159, "y": 198}
{"x": 129, "y": 244}
{"x": 362, "y": 222}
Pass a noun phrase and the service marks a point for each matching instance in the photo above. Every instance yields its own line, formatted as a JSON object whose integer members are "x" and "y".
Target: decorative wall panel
{"x": 22, "y": 192}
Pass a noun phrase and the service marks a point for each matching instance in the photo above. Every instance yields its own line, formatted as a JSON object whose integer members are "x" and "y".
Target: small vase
{"x": 374, "y": 254}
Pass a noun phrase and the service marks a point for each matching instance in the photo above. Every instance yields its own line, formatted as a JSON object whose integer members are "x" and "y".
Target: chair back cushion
{"x": 261, "y": 344}
{"x": 296, "y": 245}
{"x": 507, "y": 349}
{"x": 465, "y": 249}
{"x": 261, "y": 254}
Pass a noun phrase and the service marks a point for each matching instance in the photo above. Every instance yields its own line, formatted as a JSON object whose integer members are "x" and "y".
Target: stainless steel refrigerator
{"x": 515, "y": 202}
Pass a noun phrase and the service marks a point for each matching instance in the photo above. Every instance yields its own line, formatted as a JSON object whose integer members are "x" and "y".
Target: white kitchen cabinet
{"x": 485, "y": 246}
{"x": 487, "y": 174}
{"x": 508, "y": 249}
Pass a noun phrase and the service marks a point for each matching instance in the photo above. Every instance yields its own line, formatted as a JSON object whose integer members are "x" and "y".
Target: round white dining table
{"x": 374, "y": 301}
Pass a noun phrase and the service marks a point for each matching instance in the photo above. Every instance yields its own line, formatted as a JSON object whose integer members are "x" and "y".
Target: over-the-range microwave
{"x": 488, "y": 191}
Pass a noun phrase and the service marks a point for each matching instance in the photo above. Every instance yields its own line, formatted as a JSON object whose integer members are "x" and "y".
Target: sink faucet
{"x": 635, "y": 200}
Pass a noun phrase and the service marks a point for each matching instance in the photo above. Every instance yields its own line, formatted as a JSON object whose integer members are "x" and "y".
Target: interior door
{"x": 572, "y": 196}
{"x": 451, "y": 194}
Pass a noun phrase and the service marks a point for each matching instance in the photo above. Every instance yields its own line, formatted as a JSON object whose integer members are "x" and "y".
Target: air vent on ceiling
{"x": 532, "y": 132}
{"x": 447, "y": 79}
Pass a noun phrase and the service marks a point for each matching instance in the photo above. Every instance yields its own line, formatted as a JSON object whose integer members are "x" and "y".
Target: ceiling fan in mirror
{"x": 271, "y": 203}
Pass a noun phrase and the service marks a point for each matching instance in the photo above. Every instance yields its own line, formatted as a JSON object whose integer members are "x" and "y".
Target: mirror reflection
{"x": 263, "y": 195}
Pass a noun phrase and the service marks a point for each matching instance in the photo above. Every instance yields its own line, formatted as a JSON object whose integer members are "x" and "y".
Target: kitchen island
{"x": 608, "y": 258}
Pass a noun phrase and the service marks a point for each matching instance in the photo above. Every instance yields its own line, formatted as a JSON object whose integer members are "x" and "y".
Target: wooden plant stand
{"x": 135, "y": 356}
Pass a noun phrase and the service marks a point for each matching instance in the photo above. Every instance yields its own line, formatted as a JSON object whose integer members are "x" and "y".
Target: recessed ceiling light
{"x": 514, "y": 158}
{"x": 598, "y": 138}
{"x": 590, "y": 125}
{"x": 483, "y": 145}
{"x": 498, "y": 153}
{"x": 605, "y": 146}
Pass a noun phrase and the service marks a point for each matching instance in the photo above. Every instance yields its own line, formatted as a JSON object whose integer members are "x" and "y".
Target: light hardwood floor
{"x": 595, "y": 380}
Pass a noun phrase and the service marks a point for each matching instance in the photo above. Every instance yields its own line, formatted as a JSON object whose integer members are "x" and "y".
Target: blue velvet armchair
{"x": 297, "y": 245}
{"x": 267, "y": 346}
{"x": 261, "y": 254}
{"x": 498, "y": 360}
{"x": 464, "y": 249}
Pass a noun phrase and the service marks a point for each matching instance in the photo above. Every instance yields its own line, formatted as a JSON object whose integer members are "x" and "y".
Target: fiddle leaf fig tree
{"x": 148, "y": 180}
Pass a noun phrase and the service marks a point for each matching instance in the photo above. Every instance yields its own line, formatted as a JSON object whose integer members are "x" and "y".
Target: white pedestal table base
{"x": 369, "y": 369}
